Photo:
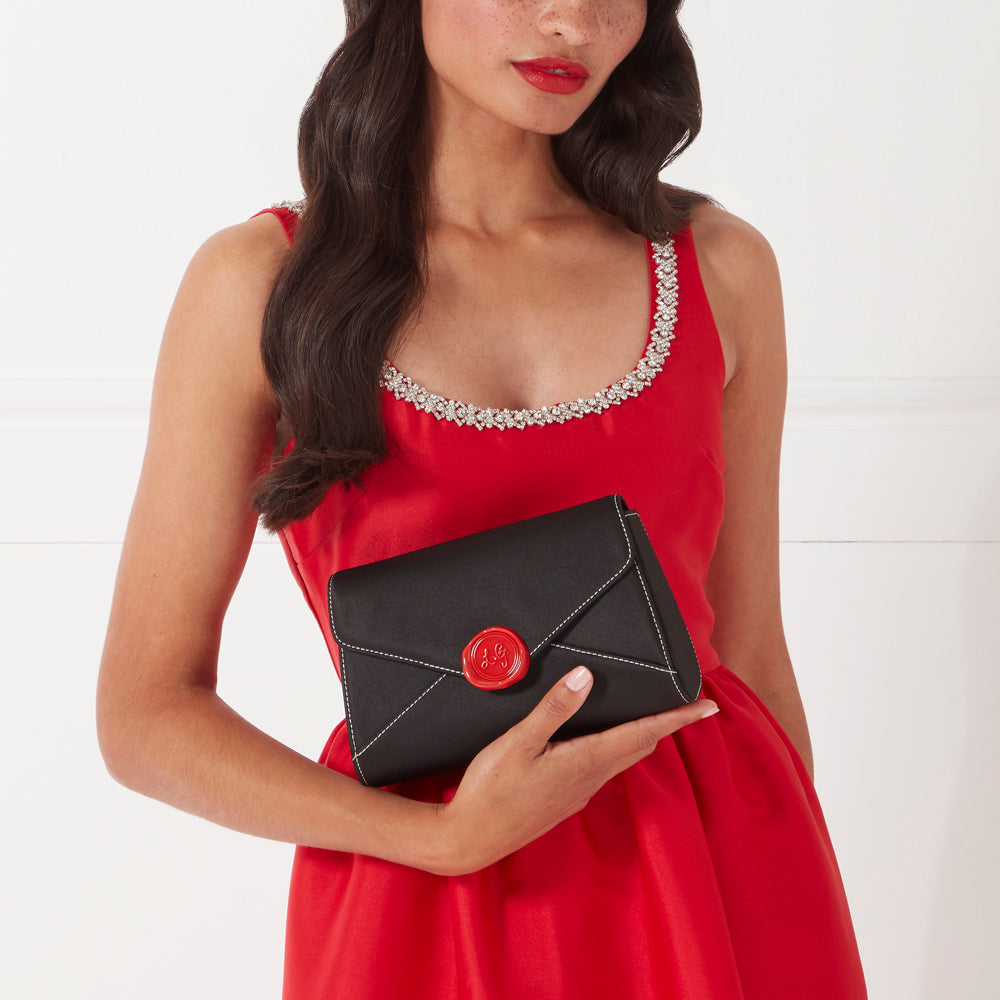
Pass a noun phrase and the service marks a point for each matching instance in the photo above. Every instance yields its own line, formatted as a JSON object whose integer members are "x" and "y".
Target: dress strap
{"x": 288, "y": 213}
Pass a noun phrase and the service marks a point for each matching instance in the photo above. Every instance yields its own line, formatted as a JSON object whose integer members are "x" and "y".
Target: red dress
{"x": 703, "y": 872}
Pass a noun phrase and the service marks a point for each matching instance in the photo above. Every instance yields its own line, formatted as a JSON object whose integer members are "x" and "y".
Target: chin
{"x": 553, "y": 124}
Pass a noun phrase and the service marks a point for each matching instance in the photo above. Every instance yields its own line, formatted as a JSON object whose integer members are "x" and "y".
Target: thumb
{"x": 558, "y": 704}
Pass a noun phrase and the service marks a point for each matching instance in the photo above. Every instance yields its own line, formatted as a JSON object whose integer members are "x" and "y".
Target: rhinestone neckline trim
{"x": 468, "y": 414}
{"x": 642, "y": 375}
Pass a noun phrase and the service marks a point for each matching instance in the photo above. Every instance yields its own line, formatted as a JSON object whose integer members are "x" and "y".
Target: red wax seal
{"x": 495, "y": 658}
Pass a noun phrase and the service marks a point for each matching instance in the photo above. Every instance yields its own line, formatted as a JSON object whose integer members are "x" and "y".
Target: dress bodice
{"x": 655, "y": 437}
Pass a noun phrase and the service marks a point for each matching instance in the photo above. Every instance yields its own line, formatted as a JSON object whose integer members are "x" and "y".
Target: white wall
{"x": 860, "y": 140}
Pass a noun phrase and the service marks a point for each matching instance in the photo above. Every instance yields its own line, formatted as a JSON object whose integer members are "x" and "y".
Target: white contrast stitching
{"x": 686, "y": 629}
{"x": 397, "y": 656}
{"x": 617, "y": 573}
{"x": 347, "y": 705}
{"x": 398, "y": 717}
{"x": 347, "y": 700}
{"x": 608, "y": 656}
{"x": 377, "y": 652}
{"x": 451, "y": 670}
{"x": 652, "y": 615}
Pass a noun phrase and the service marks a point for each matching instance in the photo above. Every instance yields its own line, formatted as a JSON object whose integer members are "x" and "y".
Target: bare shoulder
{"x": 742, "y": 282}
{"x": 249, "y": 252}
{"x": 242, "y": 258}
{"x": 729, "y": 243}
{"x": 222, "y": 297}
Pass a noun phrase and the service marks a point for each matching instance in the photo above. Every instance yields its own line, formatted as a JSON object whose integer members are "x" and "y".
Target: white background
{"x": 861, "y": 139}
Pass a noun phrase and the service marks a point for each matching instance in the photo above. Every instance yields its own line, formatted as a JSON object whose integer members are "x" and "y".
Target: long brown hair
{"x": 357, "y": 267}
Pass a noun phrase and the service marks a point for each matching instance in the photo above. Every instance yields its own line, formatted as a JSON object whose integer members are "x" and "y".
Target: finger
{"x": 557, "y": 705}
{"x": 640, "y": 736}
{"x": 635, "y": 739}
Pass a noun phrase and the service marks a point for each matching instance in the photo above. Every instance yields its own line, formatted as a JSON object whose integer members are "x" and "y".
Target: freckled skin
{"x": 471, "y": 44}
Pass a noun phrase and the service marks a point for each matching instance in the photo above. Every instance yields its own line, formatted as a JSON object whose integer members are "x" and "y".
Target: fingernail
{"x": 709, "y": 711}
{"x": 577, "y": 680}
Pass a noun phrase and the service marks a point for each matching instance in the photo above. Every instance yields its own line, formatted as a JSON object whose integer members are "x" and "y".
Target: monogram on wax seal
{"x": 495, "y": 658}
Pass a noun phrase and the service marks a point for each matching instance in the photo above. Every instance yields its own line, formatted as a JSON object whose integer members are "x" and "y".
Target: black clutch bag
{"x": 444, "y": 648}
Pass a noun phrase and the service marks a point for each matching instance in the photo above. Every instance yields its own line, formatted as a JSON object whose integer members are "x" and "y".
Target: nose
{"x": 577, "y": 21}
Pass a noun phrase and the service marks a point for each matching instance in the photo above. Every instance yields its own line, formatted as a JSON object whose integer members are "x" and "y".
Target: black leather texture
{"x": 581, "y": 585}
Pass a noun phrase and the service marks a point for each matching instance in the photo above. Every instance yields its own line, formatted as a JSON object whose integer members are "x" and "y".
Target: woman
{"x": 375, "y": 369}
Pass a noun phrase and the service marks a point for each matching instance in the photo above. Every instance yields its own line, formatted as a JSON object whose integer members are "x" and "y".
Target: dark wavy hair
{"x": 357, "y": 267}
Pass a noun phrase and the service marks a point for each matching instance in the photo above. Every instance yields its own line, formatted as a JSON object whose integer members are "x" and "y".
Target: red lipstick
{"x": 545, "y": 74}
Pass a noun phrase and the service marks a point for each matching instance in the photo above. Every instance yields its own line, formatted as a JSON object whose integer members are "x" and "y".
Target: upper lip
{"x": 553, "y": 62}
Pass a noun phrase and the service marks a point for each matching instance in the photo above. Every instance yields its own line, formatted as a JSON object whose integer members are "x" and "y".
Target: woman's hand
{"x": 521, "y": 785}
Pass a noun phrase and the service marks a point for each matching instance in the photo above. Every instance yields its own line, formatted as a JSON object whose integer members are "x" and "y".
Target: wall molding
{"x": 123, "y": 403}
{"x": 862, "y": 459}
{"x": 94, "y": 402}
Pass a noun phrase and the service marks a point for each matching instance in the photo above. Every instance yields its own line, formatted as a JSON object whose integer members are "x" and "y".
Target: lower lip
{"x": 554, "y": 83}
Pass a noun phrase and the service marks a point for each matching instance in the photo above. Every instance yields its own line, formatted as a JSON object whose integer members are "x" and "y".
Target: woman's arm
{"x": 742, "y": 281}
{"x": 163, "y": 730}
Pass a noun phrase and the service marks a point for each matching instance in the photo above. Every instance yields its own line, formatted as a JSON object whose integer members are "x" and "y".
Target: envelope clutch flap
{"x": 534, "y": 576}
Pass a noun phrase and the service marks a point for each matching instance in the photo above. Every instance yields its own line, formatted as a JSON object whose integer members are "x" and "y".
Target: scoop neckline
{"x": 661, "y": 258}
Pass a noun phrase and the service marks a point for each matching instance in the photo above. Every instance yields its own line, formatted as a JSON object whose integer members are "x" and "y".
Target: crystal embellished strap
{"x": 298, "y": 207}
{"x": 665, "y": 257}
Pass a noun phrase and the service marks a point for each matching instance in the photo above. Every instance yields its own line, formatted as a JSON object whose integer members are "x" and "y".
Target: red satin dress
{"x": 703, "y": 872}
